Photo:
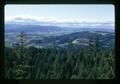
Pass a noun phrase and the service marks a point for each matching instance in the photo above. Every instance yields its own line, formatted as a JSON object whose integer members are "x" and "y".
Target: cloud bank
{"x": 52, "y": 21}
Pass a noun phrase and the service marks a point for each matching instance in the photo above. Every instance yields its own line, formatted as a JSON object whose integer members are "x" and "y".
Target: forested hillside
{"x": 89, "y": 62}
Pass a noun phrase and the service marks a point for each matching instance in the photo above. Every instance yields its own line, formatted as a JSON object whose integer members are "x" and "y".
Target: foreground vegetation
{"x": 22, "y": 62}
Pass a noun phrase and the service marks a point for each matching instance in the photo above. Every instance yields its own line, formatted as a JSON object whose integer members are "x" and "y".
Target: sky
{"x": 74, "y": 12}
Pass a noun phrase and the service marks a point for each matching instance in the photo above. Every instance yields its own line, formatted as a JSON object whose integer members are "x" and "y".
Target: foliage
{"x": 51, "y": 63}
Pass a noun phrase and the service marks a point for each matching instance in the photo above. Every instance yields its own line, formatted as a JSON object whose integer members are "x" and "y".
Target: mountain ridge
{"x": 68, "y": 24}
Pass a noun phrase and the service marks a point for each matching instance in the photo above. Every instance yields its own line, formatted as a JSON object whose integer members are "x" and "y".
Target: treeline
{"x": 22, "y": 62}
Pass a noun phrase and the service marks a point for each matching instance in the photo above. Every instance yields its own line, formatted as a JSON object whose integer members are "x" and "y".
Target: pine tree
{"x": 21, "y": 62}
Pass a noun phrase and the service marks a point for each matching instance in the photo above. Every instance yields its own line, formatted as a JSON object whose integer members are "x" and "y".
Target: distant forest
{"x": 23, "y": 62}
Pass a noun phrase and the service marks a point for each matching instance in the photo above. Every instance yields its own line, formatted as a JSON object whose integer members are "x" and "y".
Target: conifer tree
{"x": 21, "y": 63}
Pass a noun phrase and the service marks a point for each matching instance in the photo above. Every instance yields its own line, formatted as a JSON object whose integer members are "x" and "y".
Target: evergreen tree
{"x": 21, "y": 61}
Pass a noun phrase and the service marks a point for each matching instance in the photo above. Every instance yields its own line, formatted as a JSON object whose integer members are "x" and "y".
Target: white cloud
{"x": 49, "y": 19}
{"x": 42, "y": 20}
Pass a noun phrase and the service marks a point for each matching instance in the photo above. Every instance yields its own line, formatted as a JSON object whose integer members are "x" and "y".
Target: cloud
{"x": 42, "y": 20}
{"x": 49, "y": 19}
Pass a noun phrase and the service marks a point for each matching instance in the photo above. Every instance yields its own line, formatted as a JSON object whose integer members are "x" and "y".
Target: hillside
{"x": 78, "y": 39}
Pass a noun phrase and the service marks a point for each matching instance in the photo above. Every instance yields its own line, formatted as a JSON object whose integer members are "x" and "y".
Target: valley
{"x": 59, "y": 37}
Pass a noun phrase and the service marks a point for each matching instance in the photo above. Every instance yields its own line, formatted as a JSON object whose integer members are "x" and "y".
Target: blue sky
{"x": 64, "y": 12}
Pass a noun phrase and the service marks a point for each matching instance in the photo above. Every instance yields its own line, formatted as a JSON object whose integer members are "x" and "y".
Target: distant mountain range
{"x": 46, "y": 34}
{"x": 68, "y": 24}
{"x": 54, "y": 28}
